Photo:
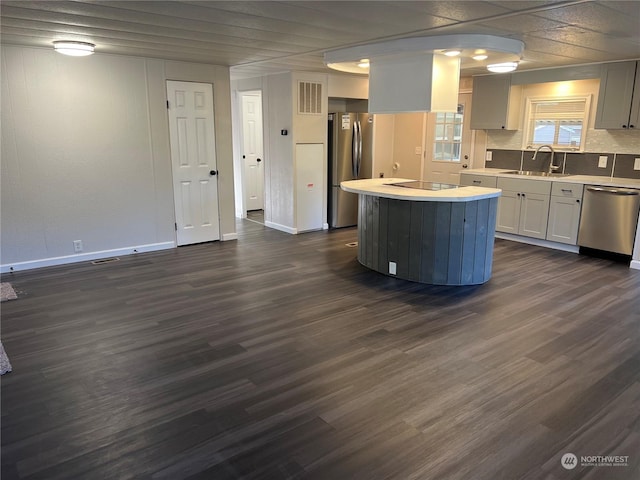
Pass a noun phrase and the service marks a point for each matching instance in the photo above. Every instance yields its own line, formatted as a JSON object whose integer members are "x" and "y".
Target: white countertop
{"x": 584, "y": 179}
{"x": 379, "y": 187}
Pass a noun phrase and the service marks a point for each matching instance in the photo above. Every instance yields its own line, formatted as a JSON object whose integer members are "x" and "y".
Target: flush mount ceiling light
{"x": 505, "y": 67}
{"x": 73, "y": 48}
{"x": 364, "y": 63}
{"x": 452, "y": 53}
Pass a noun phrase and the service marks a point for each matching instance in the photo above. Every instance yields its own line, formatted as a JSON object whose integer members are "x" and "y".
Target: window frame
{"x": 449, "y": 143}
{"x": 527, "y": 138}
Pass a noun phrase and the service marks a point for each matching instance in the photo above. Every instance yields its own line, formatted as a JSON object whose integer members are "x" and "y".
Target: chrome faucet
{"x": 552, "y": 167}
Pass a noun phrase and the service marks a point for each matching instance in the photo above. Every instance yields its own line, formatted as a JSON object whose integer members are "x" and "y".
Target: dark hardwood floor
{"x": 279, "y": 356}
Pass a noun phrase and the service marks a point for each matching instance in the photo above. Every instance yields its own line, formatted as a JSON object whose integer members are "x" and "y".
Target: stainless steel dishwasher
{"x": 609, "y": 218}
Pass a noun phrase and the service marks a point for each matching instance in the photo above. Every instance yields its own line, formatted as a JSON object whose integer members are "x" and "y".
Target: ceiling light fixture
{"x": 73, "y": 48}
{"x": 452, "y": 53}
{"x": 505, "y": 67}
{"x": 364, "y": 63}
{"x": 480, "y": 57}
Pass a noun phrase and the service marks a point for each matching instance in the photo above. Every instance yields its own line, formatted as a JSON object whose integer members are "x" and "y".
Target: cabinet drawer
{"x": 542, "y": 187}
{"x": 473, "y": 180}
{"x": 567, "y": 190}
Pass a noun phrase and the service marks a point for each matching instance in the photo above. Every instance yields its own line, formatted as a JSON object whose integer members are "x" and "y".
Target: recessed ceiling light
{"x": 505, "y": 67}
{"x": 75, "y": 49}
{"x": 480, "y": 57}
{"x": 364, "y": 63}
{"x": 452, "y": 53}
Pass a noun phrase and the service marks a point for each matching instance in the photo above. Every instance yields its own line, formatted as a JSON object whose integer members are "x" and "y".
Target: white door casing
{"x": 193, "y": 160}
{"x": 445, "y": 170}
{"x": 252, "y": 151}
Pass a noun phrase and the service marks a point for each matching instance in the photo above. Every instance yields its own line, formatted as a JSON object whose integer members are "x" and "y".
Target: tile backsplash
{"x": 617, "y": 165}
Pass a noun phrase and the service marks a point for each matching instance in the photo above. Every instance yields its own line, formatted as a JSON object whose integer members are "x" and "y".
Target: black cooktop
{"x": 424, "y": 185}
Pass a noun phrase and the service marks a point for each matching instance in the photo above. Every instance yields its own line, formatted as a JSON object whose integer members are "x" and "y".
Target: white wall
{"x": 279, "y": 174}
{"x": 85, "y": 154}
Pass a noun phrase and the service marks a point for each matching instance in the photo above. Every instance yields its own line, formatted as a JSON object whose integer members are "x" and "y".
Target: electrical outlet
{"x": 488, "y": 156}
{"x": 602, "y": 161}
{"x": 392, "y": 268}
{"x": 636, "y": 164}
{"x": 77, "y": 246}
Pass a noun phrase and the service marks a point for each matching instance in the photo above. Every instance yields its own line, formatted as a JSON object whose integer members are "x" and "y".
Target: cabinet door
{"x": 508, "y": 212}
{"x": 615, "y": 95}
{"x": 564, "y": 217}
{"x": 534, "y": 213}
{"x": 491, "y": 102}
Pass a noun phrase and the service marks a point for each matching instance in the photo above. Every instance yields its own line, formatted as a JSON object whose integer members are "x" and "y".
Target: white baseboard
{"x": 538, "y": 242}
{"x": 84, "y": 257}
{"x": 282, "y": 228}
{"x": 635, "y": 264}
{"x": 229, "y": 236}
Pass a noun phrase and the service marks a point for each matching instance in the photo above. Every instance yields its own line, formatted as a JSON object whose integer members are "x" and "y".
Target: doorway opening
{"x": 252, "y": 153}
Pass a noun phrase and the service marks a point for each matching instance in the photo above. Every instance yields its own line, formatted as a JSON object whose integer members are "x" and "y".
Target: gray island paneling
{"x": 437, "y": 237}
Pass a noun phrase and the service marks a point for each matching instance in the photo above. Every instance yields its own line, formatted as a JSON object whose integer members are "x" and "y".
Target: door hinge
{"x": 176, "y": 225}
{"x": 167, "y": 103}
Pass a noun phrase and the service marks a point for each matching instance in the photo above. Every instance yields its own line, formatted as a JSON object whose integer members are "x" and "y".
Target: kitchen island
{"x": 426, "y": 232}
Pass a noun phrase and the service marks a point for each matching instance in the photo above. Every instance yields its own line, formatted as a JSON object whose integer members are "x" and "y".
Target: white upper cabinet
{"x": 496, "y": 103}
{"x": 618, "y": 100}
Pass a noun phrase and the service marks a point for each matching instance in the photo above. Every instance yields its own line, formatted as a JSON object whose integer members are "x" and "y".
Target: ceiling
{"x": 262, "y": 37}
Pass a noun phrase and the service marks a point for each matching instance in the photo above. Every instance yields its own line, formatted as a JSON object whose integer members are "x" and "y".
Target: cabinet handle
{"x": 577, "y": 201}
{"x": 631, "y": 126}
{"x": 624, "y": 126}
{"x": 523, "y": 194}
{"x": 566, "y": 190}
{"x": 477, "y": 181}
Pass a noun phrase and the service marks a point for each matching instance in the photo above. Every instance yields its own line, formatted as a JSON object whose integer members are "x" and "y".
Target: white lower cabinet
{"x": 564, "y": 212}
{"x": 523, "y": 208}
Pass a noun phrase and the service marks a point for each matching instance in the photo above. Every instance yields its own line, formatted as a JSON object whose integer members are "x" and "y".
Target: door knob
{"x": 258, "y": 159}
{"x": 213, "y": 172}
{"x": 464, "y": 165}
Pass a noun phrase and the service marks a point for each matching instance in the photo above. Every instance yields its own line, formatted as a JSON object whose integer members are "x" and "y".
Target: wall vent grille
{"x": 309, "y": 98}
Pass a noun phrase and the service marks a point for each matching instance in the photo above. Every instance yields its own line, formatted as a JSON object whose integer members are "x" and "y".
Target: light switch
{"x": 602, "y": 161}
{"x": 636, "y": 164}
{"x": 418, "y": 150}
{"x": 488, "y": 156}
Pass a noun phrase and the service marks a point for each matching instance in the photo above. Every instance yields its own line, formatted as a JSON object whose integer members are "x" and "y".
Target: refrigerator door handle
{"x": 359, "y": 148}
{"x": 354, "y": 150}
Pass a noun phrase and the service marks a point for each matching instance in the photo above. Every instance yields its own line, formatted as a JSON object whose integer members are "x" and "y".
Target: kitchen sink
{"x": 530, "y": 173}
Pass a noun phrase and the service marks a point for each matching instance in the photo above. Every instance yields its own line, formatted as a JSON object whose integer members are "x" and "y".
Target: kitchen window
{"x": 448, "y": 135}
{"x": 559, "y": 122}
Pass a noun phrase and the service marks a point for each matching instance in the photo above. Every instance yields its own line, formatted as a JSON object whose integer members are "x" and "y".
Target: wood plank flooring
{"x": 280, "y": 357}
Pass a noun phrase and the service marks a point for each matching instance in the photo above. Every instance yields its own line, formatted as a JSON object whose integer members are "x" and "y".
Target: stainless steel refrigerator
{"x": 350, "y": 158}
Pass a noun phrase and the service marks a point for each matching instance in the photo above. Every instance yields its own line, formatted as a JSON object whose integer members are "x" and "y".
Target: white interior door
{"x": 449, "y": 141}
{"x": 193, "y": 159}
{"x": 252, "y": 151}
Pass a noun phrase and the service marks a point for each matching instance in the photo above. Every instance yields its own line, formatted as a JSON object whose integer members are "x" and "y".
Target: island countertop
{"x": 380, "y": 187}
